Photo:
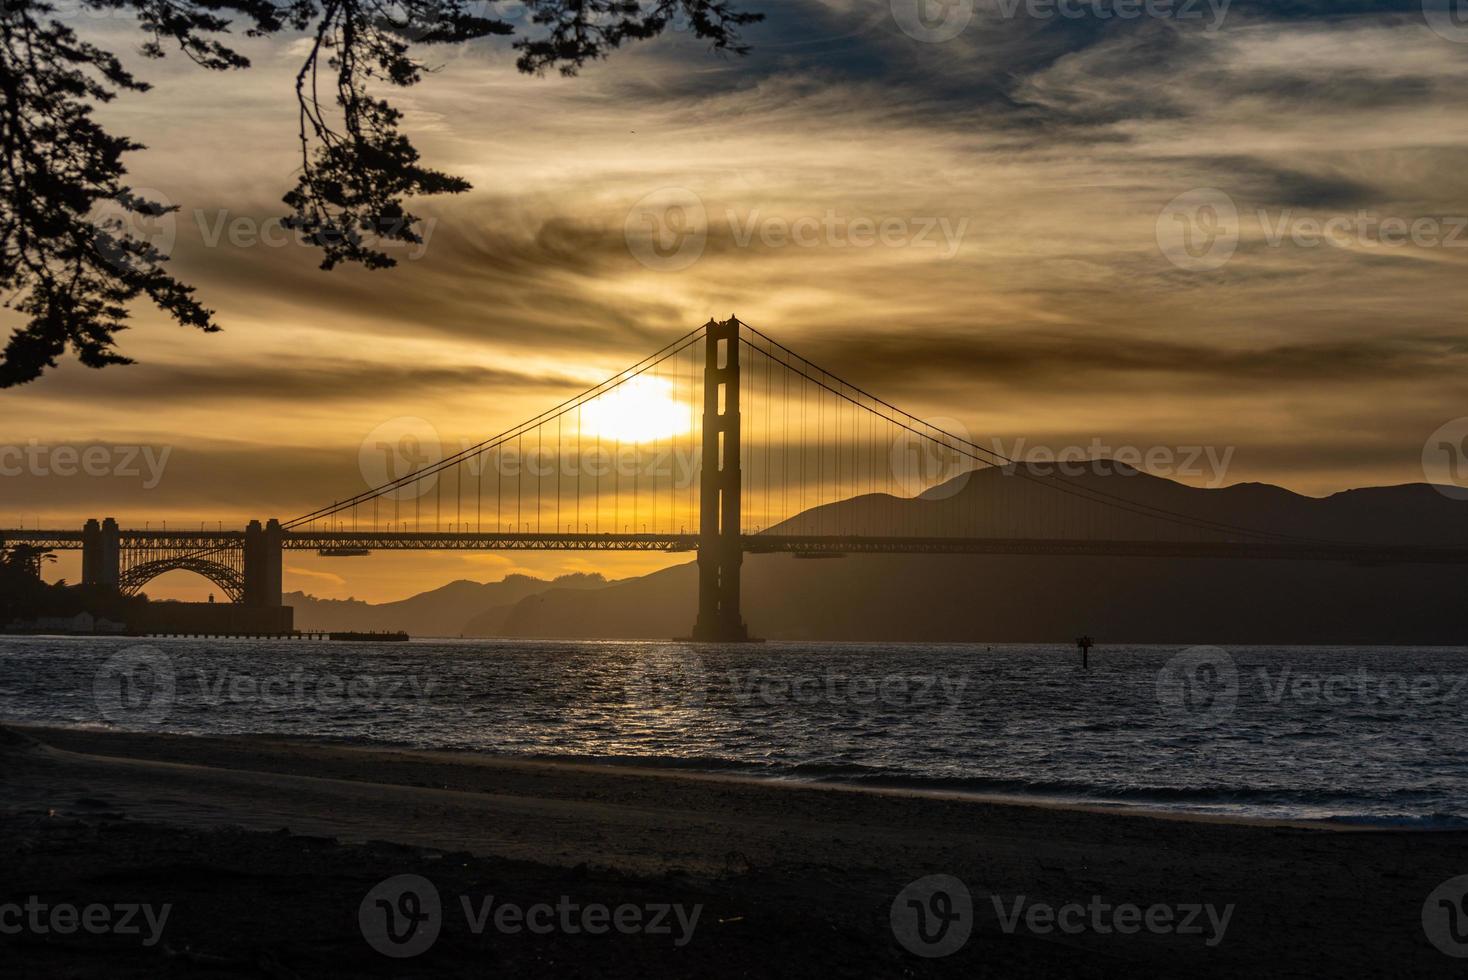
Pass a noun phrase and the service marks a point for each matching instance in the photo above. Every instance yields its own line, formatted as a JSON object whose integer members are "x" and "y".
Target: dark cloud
{"x": 1041, "y": 359}
{"x": 1262, "y": 183}
{"x": 317, "y": 380}
{"x": 1298, "y": 10}
{"x": 492, "y": 269}
{"x": 225, "y": 481}
{"x": 1343, "y": 89}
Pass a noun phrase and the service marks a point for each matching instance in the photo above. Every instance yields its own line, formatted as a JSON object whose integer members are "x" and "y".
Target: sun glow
{"x": 641, "y": 409}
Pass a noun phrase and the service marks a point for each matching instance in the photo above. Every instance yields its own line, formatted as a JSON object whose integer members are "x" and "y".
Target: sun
{"x": 641, "y": 409}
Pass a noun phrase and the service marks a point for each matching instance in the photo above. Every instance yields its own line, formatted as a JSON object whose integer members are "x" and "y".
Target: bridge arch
{"x": 229, "y": 579}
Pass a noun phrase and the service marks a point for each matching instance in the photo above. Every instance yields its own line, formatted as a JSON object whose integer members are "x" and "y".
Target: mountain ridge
{"x": 1042, "y": 599}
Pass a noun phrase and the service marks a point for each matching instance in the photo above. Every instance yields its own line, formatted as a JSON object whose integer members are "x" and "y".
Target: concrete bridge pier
{"x": 102, "y": 554}
{"x": 262, "y": 564}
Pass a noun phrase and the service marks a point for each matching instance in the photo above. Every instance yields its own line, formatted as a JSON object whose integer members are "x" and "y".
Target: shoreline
{"x": 272, "y": 844}
{"x": 894, "y": 786}
{"x": 1060, "y": 645}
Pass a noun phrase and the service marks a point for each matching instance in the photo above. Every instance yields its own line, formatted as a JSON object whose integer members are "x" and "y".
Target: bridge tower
{"x": 91, "y": 552}
{"x": 720, "y": 548}
{"x": 262, "y": 563}
{"x": 102, "y": 553}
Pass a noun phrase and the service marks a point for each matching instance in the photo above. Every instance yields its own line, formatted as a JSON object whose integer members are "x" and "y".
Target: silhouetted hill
{"x": 445, "y": 611}
{"x": 1003, "y": 503}
{"x": 1051, "y": 599}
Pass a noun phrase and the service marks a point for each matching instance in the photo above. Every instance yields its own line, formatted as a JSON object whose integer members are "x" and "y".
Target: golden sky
{"x": 987, "y": 228}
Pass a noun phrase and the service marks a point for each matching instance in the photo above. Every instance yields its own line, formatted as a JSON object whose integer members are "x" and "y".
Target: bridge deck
{"x": 812, "y": 545}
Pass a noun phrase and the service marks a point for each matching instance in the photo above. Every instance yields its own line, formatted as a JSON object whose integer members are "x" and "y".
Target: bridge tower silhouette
{"x": 721, "y": 510}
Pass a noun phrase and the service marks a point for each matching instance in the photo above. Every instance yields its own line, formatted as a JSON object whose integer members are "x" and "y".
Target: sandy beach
{"x": 265, "y": 851}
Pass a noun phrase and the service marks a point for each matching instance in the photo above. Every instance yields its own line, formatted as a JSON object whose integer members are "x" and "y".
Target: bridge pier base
{"x": 102, "y": 554}
{"x": 262, "y": 564}
{"x": 720, "y": 546}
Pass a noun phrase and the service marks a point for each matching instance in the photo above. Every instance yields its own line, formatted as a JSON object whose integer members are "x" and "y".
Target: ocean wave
{"x": 1015, "y": 728}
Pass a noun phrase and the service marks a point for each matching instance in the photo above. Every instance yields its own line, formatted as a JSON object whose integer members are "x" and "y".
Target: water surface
{"x": 1347, "y": 733}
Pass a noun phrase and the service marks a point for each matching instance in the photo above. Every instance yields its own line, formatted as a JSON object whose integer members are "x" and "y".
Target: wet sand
{"x": 265, "y": 850}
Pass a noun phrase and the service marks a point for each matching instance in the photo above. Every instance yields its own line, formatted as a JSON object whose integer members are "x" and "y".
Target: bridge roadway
{"x": 814, "y": 546}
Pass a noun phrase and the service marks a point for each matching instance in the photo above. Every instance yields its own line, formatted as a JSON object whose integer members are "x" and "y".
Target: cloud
{"x": 1038, "y": 360}
{"x": 331, "y": 577}
{"x": 1056, "y": 142}
{"x": 319, "y": 380}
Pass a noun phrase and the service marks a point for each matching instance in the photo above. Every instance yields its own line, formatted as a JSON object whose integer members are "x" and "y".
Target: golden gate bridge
{"x": 724, "y": 442}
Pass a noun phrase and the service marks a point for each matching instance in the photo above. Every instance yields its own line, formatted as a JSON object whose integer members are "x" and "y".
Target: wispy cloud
{"x": 1055, "y": 144}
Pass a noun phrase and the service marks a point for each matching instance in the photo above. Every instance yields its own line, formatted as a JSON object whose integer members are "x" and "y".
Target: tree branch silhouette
{"x": 73, "y": 274}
